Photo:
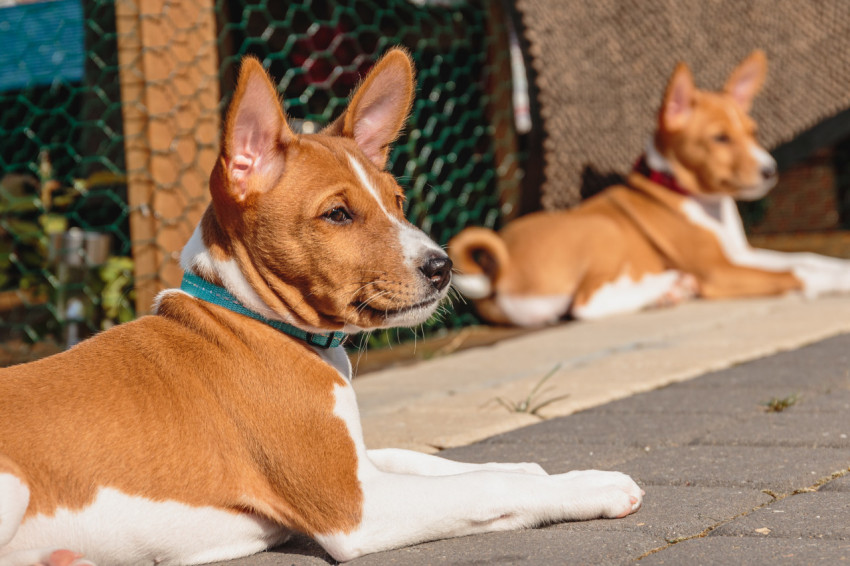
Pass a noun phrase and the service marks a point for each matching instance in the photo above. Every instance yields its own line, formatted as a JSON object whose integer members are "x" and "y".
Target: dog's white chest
{"x": 121, "y": 529}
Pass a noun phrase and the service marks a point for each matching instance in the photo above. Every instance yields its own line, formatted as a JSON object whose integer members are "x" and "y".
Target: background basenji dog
{"x": 672, "y": 232}
{"x": 226, "y": 421}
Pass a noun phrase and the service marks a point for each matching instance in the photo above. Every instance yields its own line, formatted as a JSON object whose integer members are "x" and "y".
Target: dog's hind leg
{"x": 14, "y": 500}
{"x": 624, "y": 294}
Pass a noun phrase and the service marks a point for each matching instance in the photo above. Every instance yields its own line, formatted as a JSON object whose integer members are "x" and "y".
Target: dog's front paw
{"x": 607, "y": 495}
{"x": 686, "y": 287}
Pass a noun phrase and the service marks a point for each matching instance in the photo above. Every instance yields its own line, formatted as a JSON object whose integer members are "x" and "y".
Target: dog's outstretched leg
{"x": 398, "y": 461}
{"x": 402, "y": 509}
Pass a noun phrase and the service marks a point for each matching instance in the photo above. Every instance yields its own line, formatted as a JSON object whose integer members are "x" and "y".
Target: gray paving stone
{"x": 839, "y": 484}
{"x": 299, "y": 551}
{"x": 635, "y": 429}
{"x": 816, "y": 515}
{"x": 751, "y": 551}
{"x": 836, "y": 400}
{"x": 682, "y": 398}
{"x": 795, "y": 426}
{"x": 555, "y": 457}
{"x": 529, "y": 547}
{"x": 779, "y": 469}
{"x": 671, "y": 512}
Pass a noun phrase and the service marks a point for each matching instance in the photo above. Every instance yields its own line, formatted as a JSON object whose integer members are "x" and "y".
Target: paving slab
{"x": 752, "y": 552}
{"x": 815, "y": 515}
{"x": 674, "y": 512}
{"x": 624, "y": 428}
{"x": 543, "y": 547}
{"x": 840, "y": 484}
{"x": 777, "y": 469}
{"x": 555, "y": 458}
{"x": 791, "y": 427}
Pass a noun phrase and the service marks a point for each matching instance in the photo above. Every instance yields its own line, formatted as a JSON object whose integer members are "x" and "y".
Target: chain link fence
{"x": 109, "y": 118}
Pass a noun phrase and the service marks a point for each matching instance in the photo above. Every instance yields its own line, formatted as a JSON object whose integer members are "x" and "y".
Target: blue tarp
{"x": 40, "y": 43}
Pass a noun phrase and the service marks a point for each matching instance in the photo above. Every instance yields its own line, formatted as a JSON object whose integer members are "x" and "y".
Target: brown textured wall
{"x": 602, "y": 66}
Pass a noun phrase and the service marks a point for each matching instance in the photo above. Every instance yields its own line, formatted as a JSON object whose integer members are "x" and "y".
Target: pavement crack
{"x": 776, "y": 497}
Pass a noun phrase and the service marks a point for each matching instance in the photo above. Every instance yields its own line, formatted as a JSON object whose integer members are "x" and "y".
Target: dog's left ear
{"x": 379, "y": 107}
{"x": 746, "y": 80}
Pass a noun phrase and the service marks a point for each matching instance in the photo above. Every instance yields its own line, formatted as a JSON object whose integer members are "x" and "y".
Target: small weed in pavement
{"x": 528, "y": 404}
{"x": 777, "y": 405}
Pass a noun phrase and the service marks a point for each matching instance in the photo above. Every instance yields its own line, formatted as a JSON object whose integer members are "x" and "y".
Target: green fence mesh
{"x": 65, "y": 238}
{"x": 61, "y": 169}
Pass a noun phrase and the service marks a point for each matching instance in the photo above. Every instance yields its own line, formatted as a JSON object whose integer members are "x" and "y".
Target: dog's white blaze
{"x": 627, "y": 295}
{"x": 472, "y": 286}
{"x": 414, "y": 242}
{"x": 534, "y": 310}
{"x": 124, "y": 529}
{"x": 14, "y": 498}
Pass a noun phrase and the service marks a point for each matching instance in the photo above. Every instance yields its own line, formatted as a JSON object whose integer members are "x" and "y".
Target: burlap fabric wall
{"x": 602, "y": 66}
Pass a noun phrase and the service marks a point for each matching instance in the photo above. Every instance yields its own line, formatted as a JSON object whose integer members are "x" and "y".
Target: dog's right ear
{"x": 254, "y": 135}
{"x": 678, "y": 101}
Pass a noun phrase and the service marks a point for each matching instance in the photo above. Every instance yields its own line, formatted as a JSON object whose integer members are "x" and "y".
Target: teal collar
{"x": 206, "y": 291}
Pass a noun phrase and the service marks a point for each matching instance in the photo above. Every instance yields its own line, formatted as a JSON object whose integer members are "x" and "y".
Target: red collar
{"x": 659, "y": 177}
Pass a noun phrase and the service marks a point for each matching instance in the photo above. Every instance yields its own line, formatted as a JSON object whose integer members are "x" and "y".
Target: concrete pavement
{"x": 727, "y": 481}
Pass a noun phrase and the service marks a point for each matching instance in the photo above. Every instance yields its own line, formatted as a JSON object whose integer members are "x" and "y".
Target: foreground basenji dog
{"x": 226, "y": 421}
{"x": 673, "y": 231}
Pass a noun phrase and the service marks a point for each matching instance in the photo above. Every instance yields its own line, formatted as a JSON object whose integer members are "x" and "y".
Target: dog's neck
{"x": 197, "y": 259}
{"x": 654, "y": 166}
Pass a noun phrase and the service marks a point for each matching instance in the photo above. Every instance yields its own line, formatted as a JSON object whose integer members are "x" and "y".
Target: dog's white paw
{"x": 685, "y": 287}
{"x": 607, "y": 495}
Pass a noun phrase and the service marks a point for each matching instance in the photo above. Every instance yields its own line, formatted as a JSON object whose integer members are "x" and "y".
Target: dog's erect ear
{"x": 678, "y": 101}
{"x": 255, "y": 133}
{"x": 746, "y": 80}
{"x": 379, "y": 107}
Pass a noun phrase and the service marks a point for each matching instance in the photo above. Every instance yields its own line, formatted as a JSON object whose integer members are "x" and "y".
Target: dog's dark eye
{"x": 399, "y": 200}
{"x": 338, "y": 215}
{"x": 722, "y": 138}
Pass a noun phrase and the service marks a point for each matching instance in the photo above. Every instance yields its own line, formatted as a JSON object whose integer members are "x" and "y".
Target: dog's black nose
{"x": 768, "y": 172}
{"x": 438, "y": 270}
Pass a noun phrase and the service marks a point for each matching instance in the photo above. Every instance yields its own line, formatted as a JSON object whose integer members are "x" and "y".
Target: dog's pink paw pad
{"x": 66, "y": 558}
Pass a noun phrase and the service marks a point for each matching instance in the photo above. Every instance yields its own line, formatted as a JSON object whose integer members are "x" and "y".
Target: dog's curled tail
{"x": 480, "y": 257}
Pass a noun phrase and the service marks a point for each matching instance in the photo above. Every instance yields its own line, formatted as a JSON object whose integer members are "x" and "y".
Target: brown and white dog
{"x": 200, "y": 434}
{"x": 672, "y": 231}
